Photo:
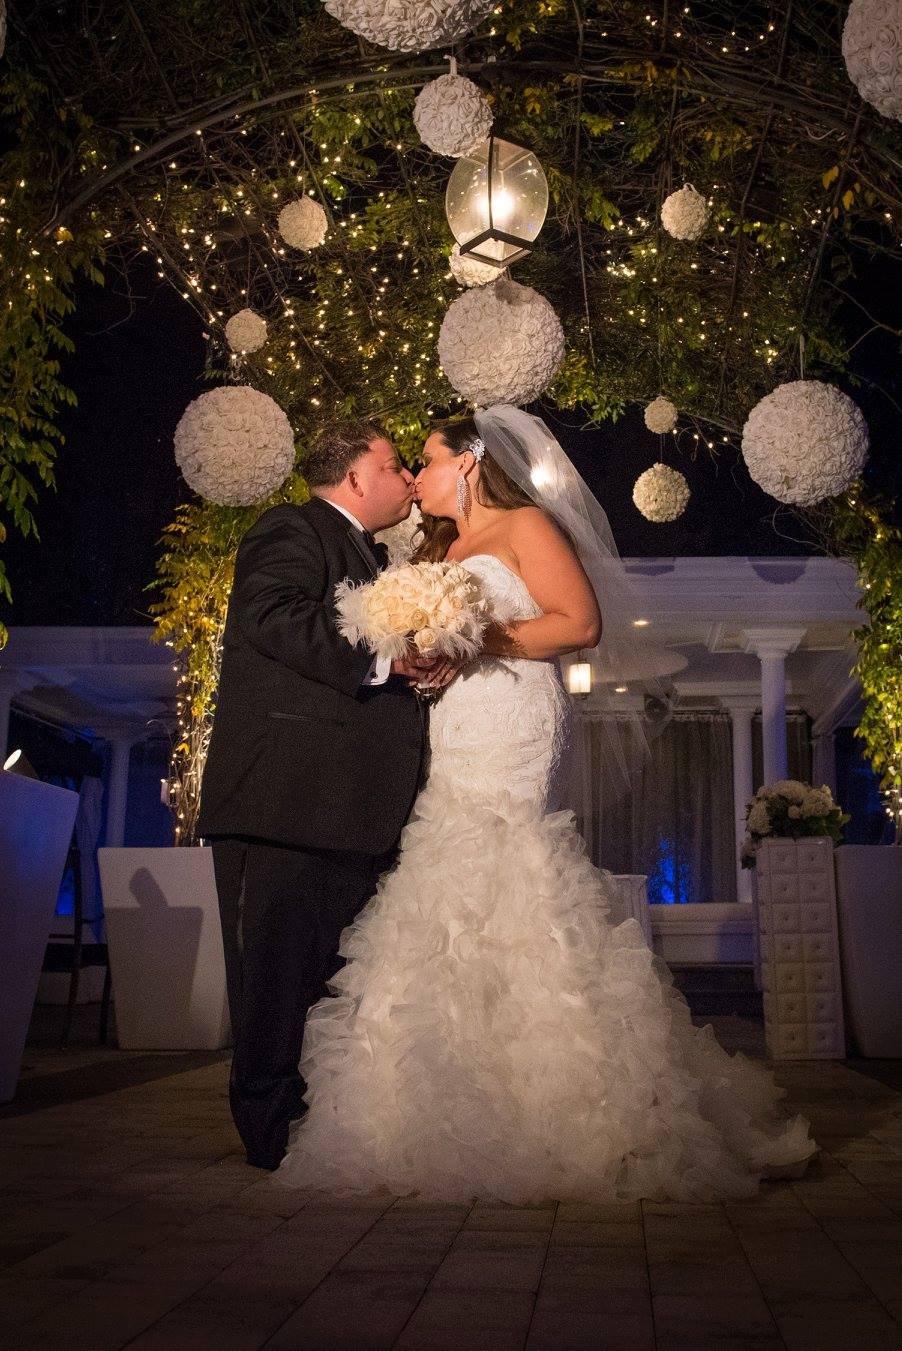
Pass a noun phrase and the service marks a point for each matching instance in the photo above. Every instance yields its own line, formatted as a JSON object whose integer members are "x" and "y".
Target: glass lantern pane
{"x": 499, "y": 208}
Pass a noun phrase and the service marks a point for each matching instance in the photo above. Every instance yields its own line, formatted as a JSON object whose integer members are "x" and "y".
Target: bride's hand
{"x": 413, "y": 666}
{"x": 442, "y": 673}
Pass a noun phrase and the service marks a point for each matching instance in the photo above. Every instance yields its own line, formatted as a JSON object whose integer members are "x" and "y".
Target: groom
{"x": 314, "y": 762}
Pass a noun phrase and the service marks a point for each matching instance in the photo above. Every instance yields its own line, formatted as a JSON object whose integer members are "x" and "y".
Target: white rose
{"x": 425, "y": 639}
{"x": 790, "y": 789}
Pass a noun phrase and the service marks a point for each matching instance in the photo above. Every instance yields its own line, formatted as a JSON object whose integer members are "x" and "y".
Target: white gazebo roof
{"x": 713, "y": 612}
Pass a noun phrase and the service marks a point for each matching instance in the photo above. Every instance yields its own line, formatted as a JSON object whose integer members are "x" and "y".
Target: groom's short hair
{"x": 335, "y": 450}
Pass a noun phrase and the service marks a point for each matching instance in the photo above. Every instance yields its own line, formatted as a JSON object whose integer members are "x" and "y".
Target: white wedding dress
{"x": 493, "y": 1035}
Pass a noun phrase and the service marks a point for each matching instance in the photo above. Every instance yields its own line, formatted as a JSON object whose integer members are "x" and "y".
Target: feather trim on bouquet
{"x": 438, "y": 608}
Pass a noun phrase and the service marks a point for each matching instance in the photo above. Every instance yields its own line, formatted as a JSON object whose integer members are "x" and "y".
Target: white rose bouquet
{"x": 791, "y": 810}
{"x": 437, "y": 608}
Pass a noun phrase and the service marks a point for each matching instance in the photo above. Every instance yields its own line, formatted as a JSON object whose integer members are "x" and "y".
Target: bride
{"x": 492, "y": 1035}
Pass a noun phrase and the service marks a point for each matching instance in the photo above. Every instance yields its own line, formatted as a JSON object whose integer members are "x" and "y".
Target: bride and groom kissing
{"x": 426, "y": 992}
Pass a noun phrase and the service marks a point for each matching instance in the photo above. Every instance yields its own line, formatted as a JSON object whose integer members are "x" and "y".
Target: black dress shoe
{"x": 261, "y": 1161}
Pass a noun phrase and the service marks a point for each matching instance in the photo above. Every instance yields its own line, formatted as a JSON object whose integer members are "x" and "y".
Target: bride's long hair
{"x": 494, "y": 489}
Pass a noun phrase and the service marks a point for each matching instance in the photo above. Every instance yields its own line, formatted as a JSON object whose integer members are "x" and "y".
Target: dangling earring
{"x": 464, "y": 498}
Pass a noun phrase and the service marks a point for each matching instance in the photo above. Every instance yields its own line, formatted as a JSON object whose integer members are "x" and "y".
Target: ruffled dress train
{"x": 492, "y": 1035}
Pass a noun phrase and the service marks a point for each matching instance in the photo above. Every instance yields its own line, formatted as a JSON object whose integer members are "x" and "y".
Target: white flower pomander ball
{"x": 410, "y": 25}
{"x": 234, "y": 445}
{"x": 399, "y": 539}
{"x": 685, "y": 214}
{"x": 303, "y": 223}
{"x": 872, "y": 49}
{"x": 246, "y": 332}
{"x": 500, "y": 344}
{"x": 661, "y": 415}
{"x": 469, "y": 271}
{"x": 804, "y": 442}
{"x": 452, "y": 115}
{"x": 661, "y": 493}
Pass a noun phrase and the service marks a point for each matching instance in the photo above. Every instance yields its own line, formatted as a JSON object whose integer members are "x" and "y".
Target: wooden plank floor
{"x": 129, "y": 1218}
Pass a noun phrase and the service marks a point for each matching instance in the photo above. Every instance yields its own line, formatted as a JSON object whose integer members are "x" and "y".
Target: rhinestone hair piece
{"x": 477, "y": 445}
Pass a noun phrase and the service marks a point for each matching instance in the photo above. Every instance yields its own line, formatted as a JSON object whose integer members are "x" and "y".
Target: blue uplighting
{"x": 668, "y": 883}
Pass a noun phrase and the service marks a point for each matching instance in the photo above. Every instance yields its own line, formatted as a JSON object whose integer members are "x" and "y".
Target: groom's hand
{"x": 419, "y": 670}
{"x": 413, "y": 666}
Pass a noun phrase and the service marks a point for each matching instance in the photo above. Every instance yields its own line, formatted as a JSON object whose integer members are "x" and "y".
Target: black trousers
{"x": 282, "y": 913}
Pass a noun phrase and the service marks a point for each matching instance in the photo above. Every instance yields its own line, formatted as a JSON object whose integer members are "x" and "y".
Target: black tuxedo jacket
{"x": 302, "y": 753}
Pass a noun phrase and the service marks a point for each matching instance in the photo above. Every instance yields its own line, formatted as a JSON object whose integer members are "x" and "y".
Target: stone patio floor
{"x": 129, "y": 1218}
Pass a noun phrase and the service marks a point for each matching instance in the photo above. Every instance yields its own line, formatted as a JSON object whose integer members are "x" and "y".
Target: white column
{"x": 772, "y": 646}
{"x": 741, "y": 708}
{"x": 117, "y": 787}
{"x": 11, "y": 684}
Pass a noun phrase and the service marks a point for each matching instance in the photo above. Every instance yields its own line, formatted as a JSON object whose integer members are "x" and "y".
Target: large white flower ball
{"x": 410, "y": 25}
{"x": 872, "y": 48}
{"x": 452, "y": 115}
{"x": 500, "y": 344}
{"x": 246, "y": 332}
{"x": 661, "y": 415}
{"x": 804, "y": 442}
{"x": 470, "y": 271}
{"x": 303, "y": 223}
{"x": 661, "y": 493}
{"x": 685, "y": 214}
{"x": 234, "y": 445}
{"x": 399, "y": 539}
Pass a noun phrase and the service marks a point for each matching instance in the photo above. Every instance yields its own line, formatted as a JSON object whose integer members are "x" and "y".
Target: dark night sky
{"x": 138, "y": 362}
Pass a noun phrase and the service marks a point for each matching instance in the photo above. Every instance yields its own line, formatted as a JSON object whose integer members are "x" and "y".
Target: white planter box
{"x": 869, "y": 907}
{"x": 36, "y": 821}
{"x": 799, "y": 948}
{"x": 165, "y": 945}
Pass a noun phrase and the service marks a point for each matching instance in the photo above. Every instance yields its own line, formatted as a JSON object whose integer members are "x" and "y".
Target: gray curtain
{"x": 677, "y": 825}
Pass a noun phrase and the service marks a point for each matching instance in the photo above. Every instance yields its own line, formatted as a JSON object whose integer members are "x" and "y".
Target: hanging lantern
{"x": 579, "y": 678}
{"x": 496, "y": 202}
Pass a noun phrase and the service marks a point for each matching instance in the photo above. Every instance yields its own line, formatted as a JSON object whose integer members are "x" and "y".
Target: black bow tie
{"x": 379, "y": 551}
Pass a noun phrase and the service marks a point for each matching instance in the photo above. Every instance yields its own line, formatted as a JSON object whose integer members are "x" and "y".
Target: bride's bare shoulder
{"x": 532, "y": 523}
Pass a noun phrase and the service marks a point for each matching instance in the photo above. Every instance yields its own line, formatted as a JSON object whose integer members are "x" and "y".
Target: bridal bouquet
{"x": 437, "y": 608}
{"x": 791, "y": 810}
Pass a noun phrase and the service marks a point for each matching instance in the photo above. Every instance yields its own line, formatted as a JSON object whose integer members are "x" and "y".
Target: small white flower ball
{"x": 685, "y": 214}
{"x": 470, "y": 271}
{"x": 452, "y": 115}
{"x": 804, "y": 442}
{"x": 303, "y": 224}
{"x": 661, "y": 415}
{"x": 661, "y": 493}
{"x": 872, "y": 50}
{"x": 246, "y": 332}
{"x": 234, "y": 445}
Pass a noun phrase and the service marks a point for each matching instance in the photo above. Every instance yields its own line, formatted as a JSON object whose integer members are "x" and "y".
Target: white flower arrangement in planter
{"x": 790, "y": 810}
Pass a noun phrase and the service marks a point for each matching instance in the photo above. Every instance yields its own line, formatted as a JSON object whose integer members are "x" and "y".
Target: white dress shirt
{"x": 381, "y": 667}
